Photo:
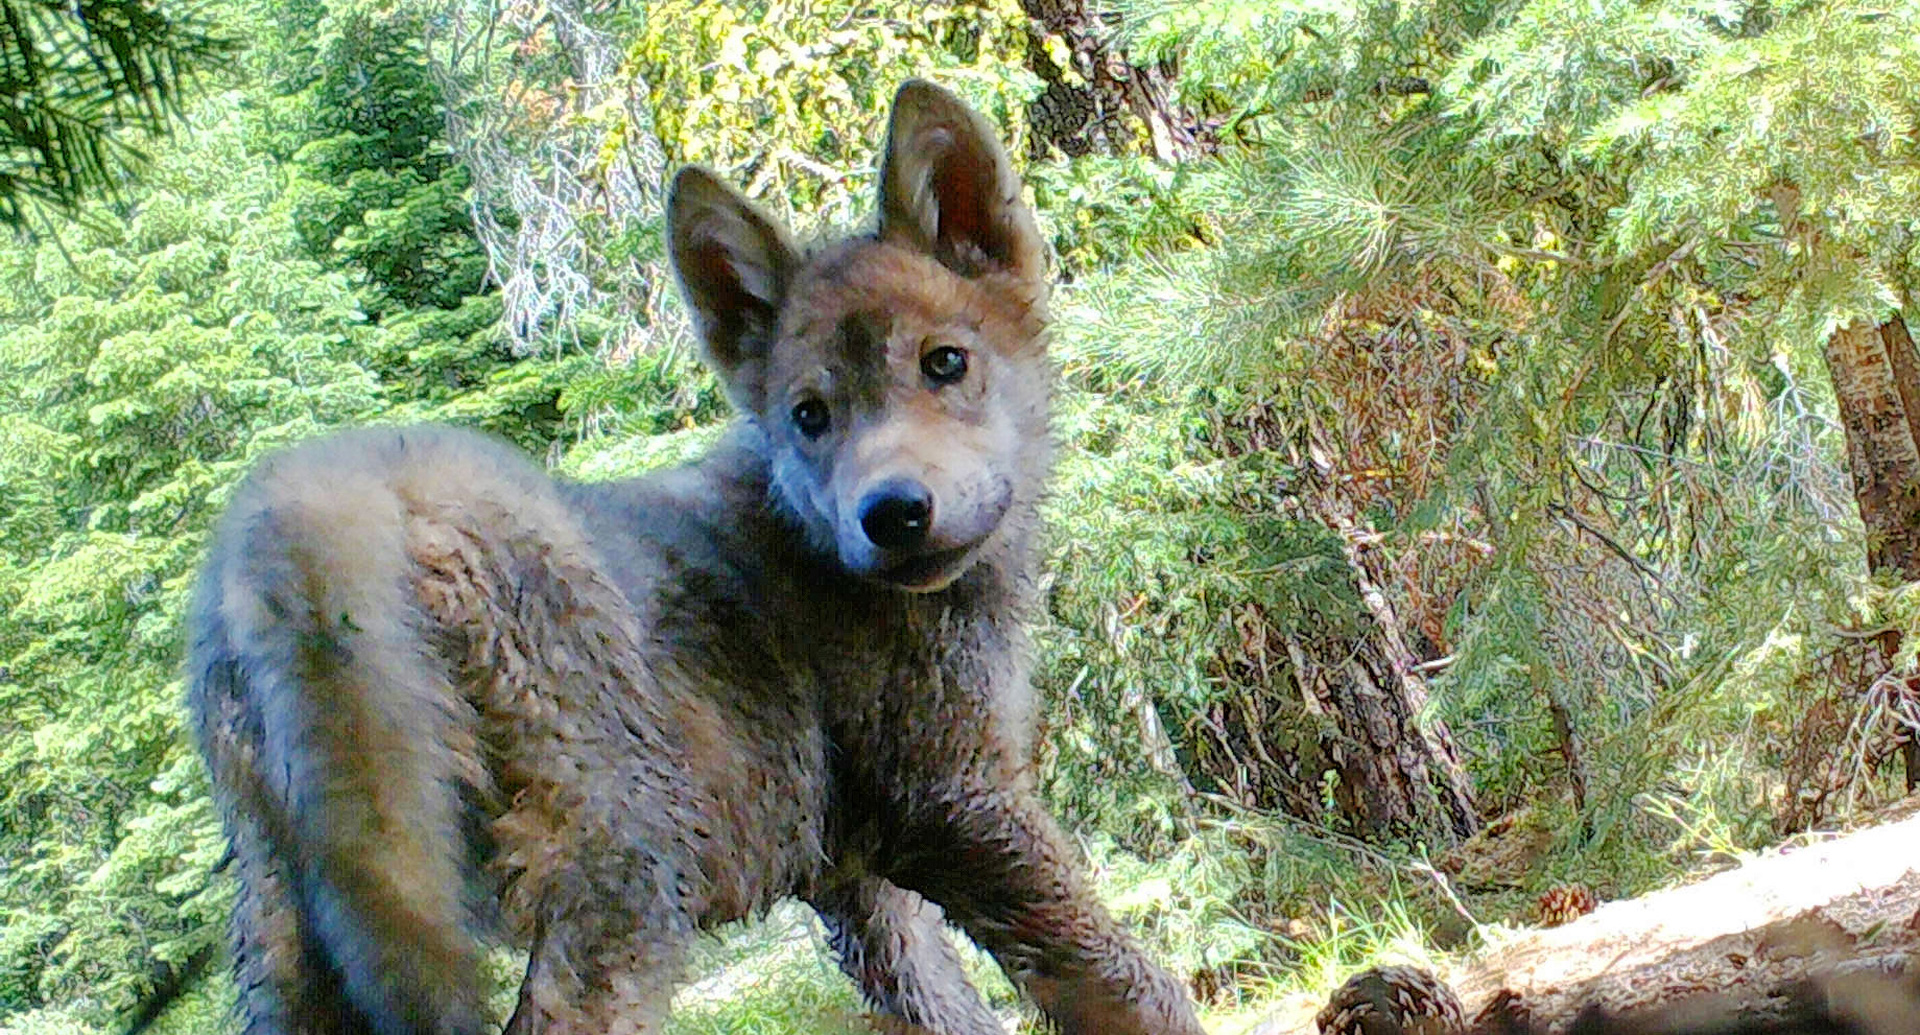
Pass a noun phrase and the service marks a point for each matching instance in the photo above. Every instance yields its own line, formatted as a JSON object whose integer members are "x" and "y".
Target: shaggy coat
{"x": 443, "y": 695}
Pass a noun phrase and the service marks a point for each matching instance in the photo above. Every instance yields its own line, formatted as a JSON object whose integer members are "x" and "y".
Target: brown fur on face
{"x": 866, "y": 318}
{"x": 446, "y": 698}
{"x": 956, "y": 262}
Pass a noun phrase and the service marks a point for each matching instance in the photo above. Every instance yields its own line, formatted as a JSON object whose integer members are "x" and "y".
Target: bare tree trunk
{"x": 1876, "y": 376}
{"x": 1404, "y": 766}
{"x": 1396, "y": 776}
{"x": 1100, "y": 102}
{"x": 548, "y": 208}
{"x": 1877, "y": 379}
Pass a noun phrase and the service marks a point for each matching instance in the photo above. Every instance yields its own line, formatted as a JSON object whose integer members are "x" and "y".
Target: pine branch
{"x": 1385, "y": 86}
{"x": 75, "y": 79}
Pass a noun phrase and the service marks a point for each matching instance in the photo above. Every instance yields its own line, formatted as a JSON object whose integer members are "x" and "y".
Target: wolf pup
{"x": 442, "y": 695}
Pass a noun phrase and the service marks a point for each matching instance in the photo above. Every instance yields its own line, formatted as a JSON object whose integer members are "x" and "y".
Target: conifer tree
{"x": 1511, "y": 222}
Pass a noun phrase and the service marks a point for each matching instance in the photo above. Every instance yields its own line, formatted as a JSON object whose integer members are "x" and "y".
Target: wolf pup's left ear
{"x": 948, "y": 189}
{"x": 734, "y": 263}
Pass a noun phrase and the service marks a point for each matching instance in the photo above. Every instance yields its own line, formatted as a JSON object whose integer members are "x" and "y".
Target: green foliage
{"x": 1814, "y": 100}
{"x": 78, "y": 79}
{"x": 293, "y": 266}
{"x": 790, "y": 99}
{"x": 1102, "y": 211}
{"x": 356, "y": 116}
{"x": 1585, "y": 202}
{"x": 1160, "y": 547}
{"x": 1289, "y": 65}
{"x": 148, "y": 365}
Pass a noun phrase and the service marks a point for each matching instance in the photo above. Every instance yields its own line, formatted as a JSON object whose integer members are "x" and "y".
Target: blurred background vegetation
{"x": 1491, "y": 427}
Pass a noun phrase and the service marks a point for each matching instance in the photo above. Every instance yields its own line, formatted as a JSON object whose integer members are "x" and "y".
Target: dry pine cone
{"x": 1393, "y": 1001}
{"x": 1564, "y": 903}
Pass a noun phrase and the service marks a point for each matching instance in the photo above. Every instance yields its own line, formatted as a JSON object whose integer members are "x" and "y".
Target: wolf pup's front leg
{"x": 999, "y": 865}
{"x": 893, "y": 944}
{"x": 980, "y": 843}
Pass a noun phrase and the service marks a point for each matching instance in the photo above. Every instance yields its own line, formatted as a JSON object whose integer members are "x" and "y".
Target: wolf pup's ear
{"x": 733, "y": 262}
{"x": 948, "y": 189}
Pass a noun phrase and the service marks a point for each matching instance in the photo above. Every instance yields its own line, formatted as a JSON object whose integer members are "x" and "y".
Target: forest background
{"x": 1492, "y": 439}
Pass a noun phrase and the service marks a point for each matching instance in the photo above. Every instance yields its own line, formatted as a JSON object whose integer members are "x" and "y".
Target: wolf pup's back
{"x": 445, "y": 698}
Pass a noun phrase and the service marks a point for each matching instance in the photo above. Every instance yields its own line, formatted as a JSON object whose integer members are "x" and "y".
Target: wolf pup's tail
{"x": 326, "y": 723}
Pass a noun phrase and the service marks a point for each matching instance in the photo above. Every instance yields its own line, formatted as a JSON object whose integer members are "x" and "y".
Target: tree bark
{"x": 1398, "y": 774}
{"x": 1101, "y": 103}
{"x": 1408, "y": 770}
{"x": 1876, "y": 380}
{"x": 1876, "y": 377}
{"x": 1403, "y": 765}
{"x": 1310, "y": 700}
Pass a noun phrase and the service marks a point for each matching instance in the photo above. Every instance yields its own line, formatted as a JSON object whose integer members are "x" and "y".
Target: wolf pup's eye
{"x": 811, "y": 417}
{"x": 944, "y": 365}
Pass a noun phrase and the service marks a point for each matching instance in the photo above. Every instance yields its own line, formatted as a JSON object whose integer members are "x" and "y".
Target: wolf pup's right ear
{"x": 948, "y": 189}
{"x": 734, "y": 263}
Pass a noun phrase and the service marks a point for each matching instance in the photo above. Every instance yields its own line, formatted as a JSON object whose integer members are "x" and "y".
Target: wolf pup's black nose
{"x": 897, "y": 515}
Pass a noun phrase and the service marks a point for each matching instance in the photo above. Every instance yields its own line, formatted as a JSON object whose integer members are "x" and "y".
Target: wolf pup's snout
{"x": 897, "y": 514}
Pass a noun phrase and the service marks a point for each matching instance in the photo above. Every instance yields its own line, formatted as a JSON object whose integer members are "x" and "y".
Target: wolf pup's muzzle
{"x": 914, "y": 542}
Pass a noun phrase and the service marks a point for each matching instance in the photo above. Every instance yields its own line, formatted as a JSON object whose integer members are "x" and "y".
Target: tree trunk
{"x": 546, "y": 205}
{"x": 1398, "y": 775}
{"x": 1306, "y": 700}
{"x": 1876, "y": 377}
{"x": 1101, "y": 102}
{"x": 1402, "y": 764}
{"x": 1408, "y": 765}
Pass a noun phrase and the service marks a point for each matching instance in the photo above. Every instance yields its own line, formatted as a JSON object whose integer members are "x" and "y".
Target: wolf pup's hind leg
{"x": 379, "y": 607}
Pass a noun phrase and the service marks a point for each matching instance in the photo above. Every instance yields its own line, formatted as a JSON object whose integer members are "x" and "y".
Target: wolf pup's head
{"x": 899, "y": 378}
